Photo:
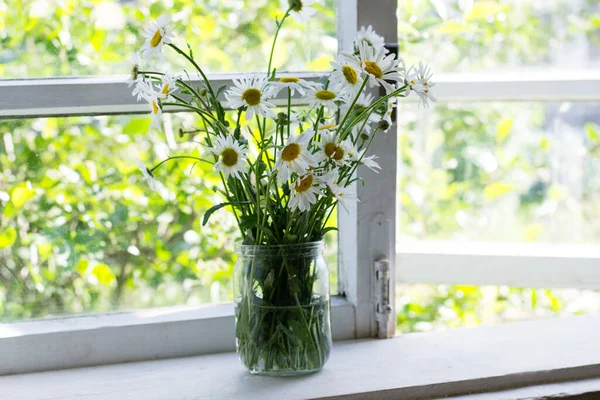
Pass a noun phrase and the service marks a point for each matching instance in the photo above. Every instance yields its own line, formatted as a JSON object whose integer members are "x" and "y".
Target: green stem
{"x": 279, "y": 25}
{"x": 177, "y": 157}
{"x": 191, "y": 60}
{"x": 362, "y": 87}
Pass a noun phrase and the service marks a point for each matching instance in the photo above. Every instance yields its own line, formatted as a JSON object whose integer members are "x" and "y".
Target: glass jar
{"x": 282, "y": 308}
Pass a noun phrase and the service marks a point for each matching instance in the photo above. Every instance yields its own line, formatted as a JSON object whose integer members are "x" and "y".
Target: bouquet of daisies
{"x": 283, "y": 168}
{"x": 304, "y": 158}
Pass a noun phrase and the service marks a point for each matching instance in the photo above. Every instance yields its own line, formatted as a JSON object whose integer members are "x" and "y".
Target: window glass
{"x": 422, "y": 308}
{"x": 501, "y": 171}
{"x": 500, "y": 35}
{"x": 81, "y": 232}
{"x": 43, "y": 38}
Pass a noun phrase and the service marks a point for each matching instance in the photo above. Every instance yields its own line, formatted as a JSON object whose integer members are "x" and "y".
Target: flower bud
{"x": 383, "y": 125}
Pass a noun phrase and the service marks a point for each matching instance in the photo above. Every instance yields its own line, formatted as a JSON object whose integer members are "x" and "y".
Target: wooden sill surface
{"x": 424, "y": 365}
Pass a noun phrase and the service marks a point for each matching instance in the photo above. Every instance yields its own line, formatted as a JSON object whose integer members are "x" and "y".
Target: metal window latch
{"x": 384, "y": 316}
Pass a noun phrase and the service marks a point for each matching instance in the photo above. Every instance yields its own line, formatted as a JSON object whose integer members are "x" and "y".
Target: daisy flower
{"x": 371, "y": 37}
{"x": 232, "y": 156}
{"x": 378, "y": 66}
{"x": 300, "y": 10}
{"x": 410, "y": 79}
{"x": 386, "y": 122}
{"x": 157, "y": 35}
{"x": 295, "y": 156}
{"x": 155, "y": 107}
{"x": 304, "y": 192}
{"x": 136, "y": 65}
{"x": 142, "y": 89}
{"x": 292, "y": 83}
{"x": 168, "y": 85}
{"x": 424, "y": 75}
{"x": 345, "y": 76}
{"x": 324, "y": 97}
{"x": 351, "y": 151}
{"x": 363, "y": 101}
{"x": 370, "y": 163}
{"x": 153, "y": 184}
{"x": 251, "y": 93}
{"x": 330, "y": 149}
{"x": 344, "y": 196}
{"x": 328, "y": 127}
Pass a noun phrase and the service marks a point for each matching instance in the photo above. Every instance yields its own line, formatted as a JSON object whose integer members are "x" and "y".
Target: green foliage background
{"x": 81, "y": 232}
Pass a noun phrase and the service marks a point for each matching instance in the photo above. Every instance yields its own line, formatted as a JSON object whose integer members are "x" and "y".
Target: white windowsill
{"x": 88, "y": 340}
{"x": 427, "y": 365}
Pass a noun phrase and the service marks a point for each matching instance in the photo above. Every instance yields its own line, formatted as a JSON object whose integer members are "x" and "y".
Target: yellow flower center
{"x": 304, "y": 184}
{"x": 252, "y": 96}
{"x": 289, "y": 80}
{"x": 326, "y": 127}
{"x": 350, "y": 74}
{"x": 154, "y": 107}
{"x": 155, "y": 41}
{"x": 413, "y": 82}
{"x": 230, "y": 157}
{"x": 290, "y": 152}
{"x": 165, "y": 90}
{"x": 373, "y": 69}
{"x": 134, "y": 72}
{"x": 334, "y": 151}
{"x": 426, "y": 83}
{"x": 325, "y": 95}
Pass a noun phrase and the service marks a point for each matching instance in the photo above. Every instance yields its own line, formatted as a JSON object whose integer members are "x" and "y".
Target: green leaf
{"x": 104, "y": 274}
{"x": 211, "y": 210}
{"x": 8, "y": 237}
{"x": 190, "y": 50}
{"x": 329, "y": 228}
{"x": 220, "y": 90}
{"x": 497, "y": 189}
{"x": 237, "y": 132}
{"x": 592, "y": 131}
{"x": 504, "y": 128}
{"x": 21, "y": 194}
{"x": 265, "y": 230}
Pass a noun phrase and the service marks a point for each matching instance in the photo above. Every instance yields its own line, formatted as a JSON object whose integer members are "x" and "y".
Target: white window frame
{"x": 534, "y": 265}
{"x": 367, "y": 234}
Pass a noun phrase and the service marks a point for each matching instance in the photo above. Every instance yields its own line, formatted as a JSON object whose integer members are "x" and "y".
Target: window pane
{"x": 500, "y": 35}
{"x": 422, "y": 308}
{"x": 81, "y": 232}
{"x": 82, "y": 37}
{"x": 501, "y": 171}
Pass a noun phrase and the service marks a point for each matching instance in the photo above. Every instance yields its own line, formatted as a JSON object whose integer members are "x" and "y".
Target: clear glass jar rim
{"x": 252, "y": 248}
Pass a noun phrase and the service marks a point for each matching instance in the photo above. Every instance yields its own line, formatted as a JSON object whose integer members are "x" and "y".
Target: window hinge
{"x": 384, "y": 315}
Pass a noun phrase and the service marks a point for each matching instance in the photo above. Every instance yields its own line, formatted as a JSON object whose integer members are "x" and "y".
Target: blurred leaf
{"x": 504, "y": 128}
{"x": 8, "y": 237}
{"x": 484, "y": 9}
{"x": 104, "y": 274}
{"x": 21, "y": 194}
{"x": 532, "y": 232}
{"x": 497, "y": 189}
{"x": 592, "y": 132}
